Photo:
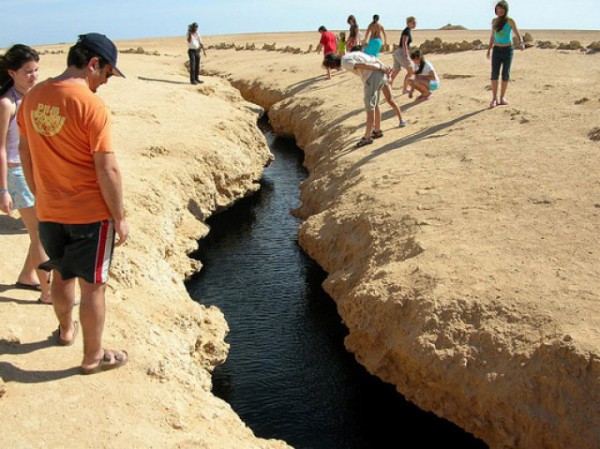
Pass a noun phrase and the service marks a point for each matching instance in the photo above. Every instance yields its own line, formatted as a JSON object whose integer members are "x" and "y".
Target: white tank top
{"x": 12, "y": 136}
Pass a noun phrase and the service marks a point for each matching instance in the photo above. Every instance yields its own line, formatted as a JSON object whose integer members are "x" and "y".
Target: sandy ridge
{"x": 462, "y": 252}
{"x": 184, "y": 153}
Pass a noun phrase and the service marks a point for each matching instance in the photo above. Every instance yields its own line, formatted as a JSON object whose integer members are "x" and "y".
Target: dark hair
{"x": 14, "y": 58}
{"x": 376, "y": 18}
{"x": 332, "y": 61}
{"x": 500, "y": 21}
{"x": 353, "y": 26}
{"x": 322, "y": 28}
{"x": 417, "y": 54}
{"x": 79, "y": 56}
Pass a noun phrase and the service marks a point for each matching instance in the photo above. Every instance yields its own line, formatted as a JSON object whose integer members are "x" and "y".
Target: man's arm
{"x": 109, "y": 178}
{"x": 372, "y": 67}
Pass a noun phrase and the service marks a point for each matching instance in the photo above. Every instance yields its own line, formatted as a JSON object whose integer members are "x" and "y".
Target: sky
{"x": 37, "y": 22}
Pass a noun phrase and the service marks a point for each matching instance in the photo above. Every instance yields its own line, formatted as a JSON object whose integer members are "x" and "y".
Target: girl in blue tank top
{"x": 501, "y": 49}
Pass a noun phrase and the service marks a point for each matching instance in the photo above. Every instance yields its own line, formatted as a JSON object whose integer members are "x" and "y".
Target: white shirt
{"x": 427, "y": 69}
{"x": 195, "y": 41}
{"x": 349, "y": 60}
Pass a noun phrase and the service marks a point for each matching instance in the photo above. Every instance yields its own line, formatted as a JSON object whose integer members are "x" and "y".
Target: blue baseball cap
{"x": 103, "y": 47}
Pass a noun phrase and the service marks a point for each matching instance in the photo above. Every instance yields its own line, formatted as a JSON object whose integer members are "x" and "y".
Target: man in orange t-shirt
{"x": 68, "y": 160}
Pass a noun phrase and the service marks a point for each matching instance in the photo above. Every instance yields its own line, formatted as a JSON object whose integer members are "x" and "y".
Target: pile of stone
{"x": 438, "y": 46}
{"x": 140, "y": 51}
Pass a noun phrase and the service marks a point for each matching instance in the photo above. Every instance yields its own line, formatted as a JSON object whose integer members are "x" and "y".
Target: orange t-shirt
{"x": 65, "y": 124}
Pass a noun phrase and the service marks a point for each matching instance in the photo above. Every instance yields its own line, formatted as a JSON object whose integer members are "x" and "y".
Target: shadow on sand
{"x": 429, "y": 133}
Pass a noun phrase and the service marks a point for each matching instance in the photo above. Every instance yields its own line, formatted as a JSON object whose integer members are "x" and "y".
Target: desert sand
{"x": 462, "y": 251}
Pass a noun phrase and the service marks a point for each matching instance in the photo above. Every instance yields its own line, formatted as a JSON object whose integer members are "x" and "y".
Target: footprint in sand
{"x": 594, "y": 134}
{"x": 582, "y": 100}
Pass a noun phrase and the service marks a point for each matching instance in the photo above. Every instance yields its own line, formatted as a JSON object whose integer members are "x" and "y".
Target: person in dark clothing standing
{"x": 194, "y": 46}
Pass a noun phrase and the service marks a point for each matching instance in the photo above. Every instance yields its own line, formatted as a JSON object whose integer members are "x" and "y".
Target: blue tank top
{"x": 504, "y": 36}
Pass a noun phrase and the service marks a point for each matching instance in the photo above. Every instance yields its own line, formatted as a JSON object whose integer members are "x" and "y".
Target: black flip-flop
{"x": 34, "y": 287}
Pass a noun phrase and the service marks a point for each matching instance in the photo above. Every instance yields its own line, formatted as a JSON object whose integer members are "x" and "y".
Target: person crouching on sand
{"x": 426, "y": 80}
{"x": 374, "y": 75}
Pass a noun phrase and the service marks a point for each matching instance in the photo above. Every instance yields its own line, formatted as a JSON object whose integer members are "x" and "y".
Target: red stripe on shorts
{"x": 101, "y": 252}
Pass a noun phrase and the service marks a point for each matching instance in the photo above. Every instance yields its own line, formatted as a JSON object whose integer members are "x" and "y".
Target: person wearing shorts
{"x": 402, "y": 54}
{"x": 373, "y": 36}
{"x": 76, "y": 180}
{"x": 18, "y": 74}
{"x": 426, "y": 80}
{"x": 374, "y": 75}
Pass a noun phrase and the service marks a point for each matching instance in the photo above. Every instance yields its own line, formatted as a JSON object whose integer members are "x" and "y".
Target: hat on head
{"x": 103, "y": 47}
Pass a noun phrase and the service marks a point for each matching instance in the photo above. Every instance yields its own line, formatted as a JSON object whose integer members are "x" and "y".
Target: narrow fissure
{"x": 288, "y": 375}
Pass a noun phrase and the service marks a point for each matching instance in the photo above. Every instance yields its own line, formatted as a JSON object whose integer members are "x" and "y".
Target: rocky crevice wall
{"x": 441, "y": 351}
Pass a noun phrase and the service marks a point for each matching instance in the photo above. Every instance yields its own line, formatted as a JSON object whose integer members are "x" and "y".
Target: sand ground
{"x": 462, "y": 250}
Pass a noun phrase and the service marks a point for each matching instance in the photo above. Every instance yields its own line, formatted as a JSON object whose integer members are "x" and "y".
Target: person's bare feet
{"x": 45, "y": 299}
{"x": 493, "y": 104}
{"x": 503, "y": 101}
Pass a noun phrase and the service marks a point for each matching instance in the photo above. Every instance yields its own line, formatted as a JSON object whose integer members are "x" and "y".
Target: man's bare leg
{"x": 377, "y": 118}
{"x": 63, "y": 300}
{"x": 370, "y": 122}
{"x": 92, "y": 314}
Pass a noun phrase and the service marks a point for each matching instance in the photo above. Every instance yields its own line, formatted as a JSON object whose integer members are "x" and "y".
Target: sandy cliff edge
{"x": 184, "y": 152}
{"x": 462, "y": 251}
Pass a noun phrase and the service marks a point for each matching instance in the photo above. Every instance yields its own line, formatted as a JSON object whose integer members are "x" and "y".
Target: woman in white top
{"x": 18, "y": 73}
{"x": 426, "y": 79}
{"x": 194, "y": 47}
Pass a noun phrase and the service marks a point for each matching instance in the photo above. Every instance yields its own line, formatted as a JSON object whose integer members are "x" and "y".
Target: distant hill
{"x": 452, "y": 27}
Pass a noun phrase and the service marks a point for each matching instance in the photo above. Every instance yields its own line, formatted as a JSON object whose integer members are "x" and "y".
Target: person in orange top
{"x": 68, "y": 161}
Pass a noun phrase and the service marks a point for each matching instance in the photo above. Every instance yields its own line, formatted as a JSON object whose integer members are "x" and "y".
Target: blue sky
{"x": 37, "y": 22}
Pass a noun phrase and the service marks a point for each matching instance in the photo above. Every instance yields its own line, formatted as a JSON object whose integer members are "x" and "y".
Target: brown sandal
{"x": 110, "y": 360}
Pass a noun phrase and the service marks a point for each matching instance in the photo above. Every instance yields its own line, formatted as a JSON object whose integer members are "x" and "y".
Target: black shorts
{"x": 79, "y": 250}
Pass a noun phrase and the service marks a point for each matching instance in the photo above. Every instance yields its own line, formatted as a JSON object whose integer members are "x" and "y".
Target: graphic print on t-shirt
{"x": 47, "y": 120}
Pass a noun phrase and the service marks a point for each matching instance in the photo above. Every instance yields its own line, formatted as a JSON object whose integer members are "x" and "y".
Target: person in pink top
{"x": 328, "y": 44}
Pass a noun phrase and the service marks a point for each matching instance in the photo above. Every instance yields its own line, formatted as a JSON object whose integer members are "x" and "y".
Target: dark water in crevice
{"x": 288, "y": 375}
